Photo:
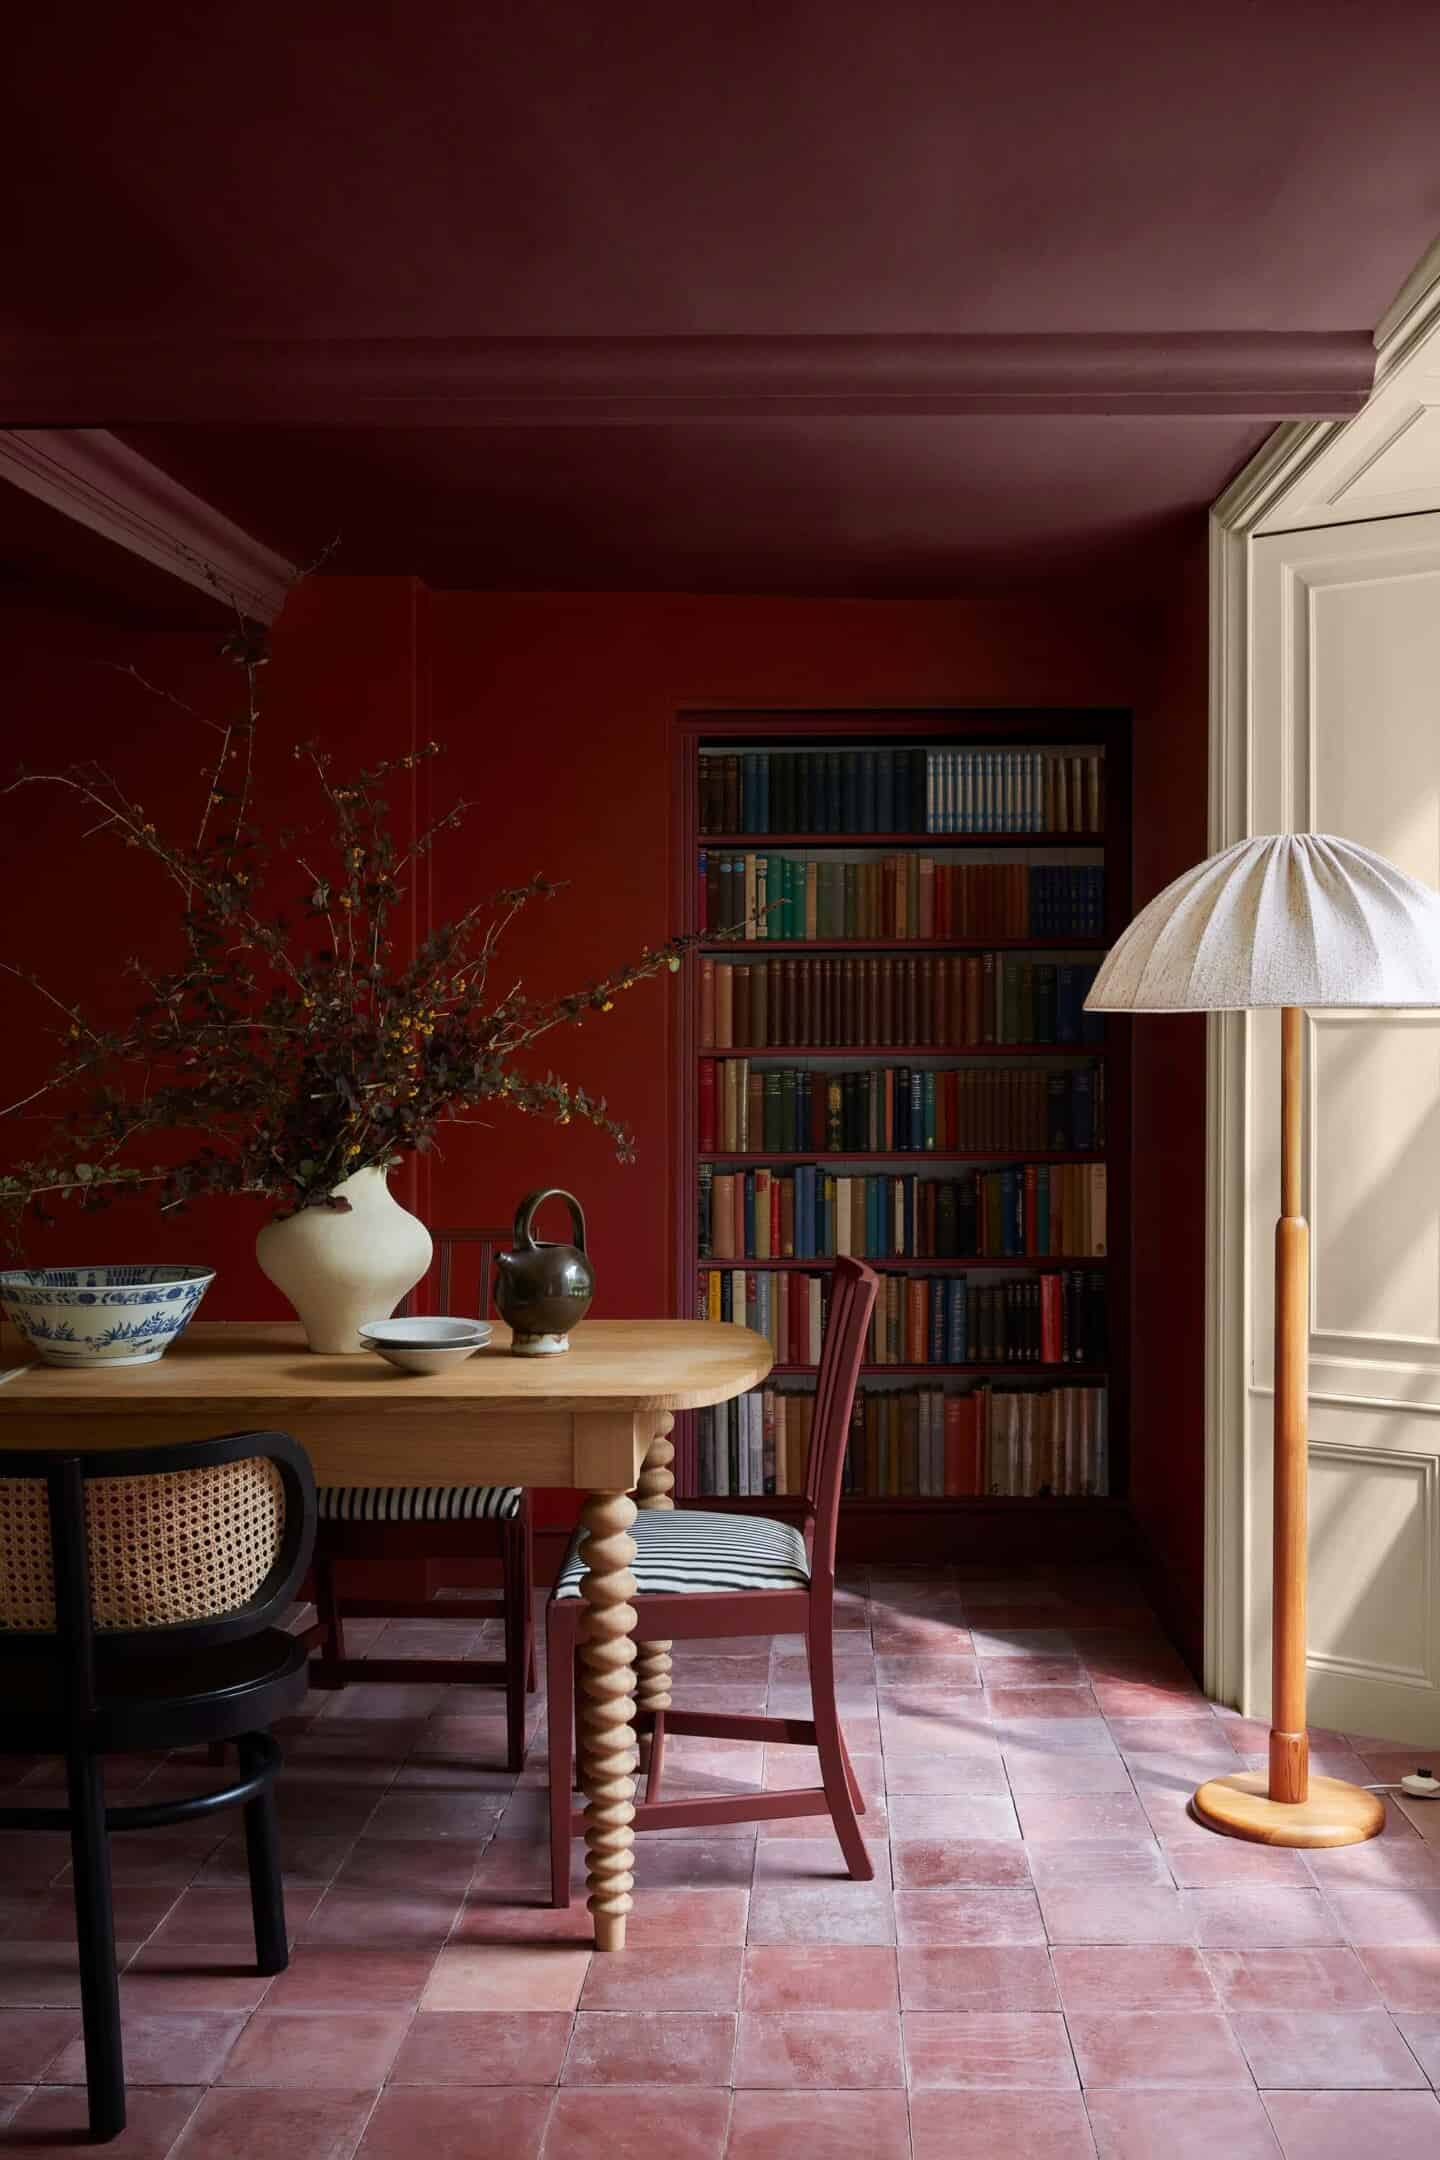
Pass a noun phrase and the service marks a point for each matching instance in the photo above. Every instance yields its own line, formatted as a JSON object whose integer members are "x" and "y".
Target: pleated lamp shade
{"x": 1284, "y": 919}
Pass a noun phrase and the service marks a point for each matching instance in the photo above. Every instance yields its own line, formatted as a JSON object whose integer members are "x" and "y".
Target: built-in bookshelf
{"x": 884, "y": 1051}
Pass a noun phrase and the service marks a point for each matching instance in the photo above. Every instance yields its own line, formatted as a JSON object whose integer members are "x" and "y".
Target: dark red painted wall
{"x": 1168, "y": 1187}
{"x": 556, "y": 710}
{"x": 76, "y": 909}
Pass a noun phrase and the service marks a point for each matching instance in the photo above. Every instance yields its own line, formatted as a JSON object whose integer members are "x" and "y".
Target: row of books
{"x": 901, "y": 789}
{"x": 1052, "y": 1319}
{"x": 896, "y": 896}
{"x": 955, "y": 1001}
{"x": 913, "y": 1442}
{"x": 1034, "y": 1211}
{"x": 745, "y": 1109}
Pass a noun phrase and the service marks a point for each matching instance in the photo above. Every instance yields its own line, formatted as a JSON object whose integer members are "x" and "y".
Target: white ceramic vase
{"x": 342, "y": 1268}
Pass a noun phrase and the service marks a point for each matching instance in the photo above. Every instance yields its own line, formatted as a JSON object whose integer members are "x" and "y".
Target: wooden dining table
{"x": 597, "y": 1417}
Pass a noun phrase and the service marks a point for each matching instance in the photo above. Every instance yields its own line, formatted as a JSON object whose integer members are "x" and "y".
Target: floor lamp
{"x": 1292, "y": 920}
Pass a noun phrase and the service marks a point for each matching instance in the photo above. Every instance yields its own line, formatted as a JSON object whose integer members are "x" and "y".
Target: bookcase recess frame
{"x": 919, "y": 1526}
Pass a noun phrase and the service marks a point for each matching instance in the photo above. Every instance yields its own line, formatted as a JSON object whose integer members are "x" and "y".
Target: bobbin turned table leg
{"x": 652, "y": 1659}
{"x": 607, "y": 1712}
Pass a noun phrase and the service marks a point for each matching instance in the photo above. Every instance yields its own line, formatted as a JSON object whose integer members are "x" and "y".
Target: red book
{"x": 1051, "y": 1333}
{"x": 954, "y": 1443}
{"x": 707, "y": 1003}
{"x": 707, "y": 1105}
{"x": 915, "y": 1315}
{"x": 724, "y": 1005}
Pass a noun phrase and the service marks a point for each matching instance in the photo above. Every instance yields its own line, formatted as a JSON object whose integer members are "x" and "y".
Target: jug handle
{"x": 525, "y": 1215}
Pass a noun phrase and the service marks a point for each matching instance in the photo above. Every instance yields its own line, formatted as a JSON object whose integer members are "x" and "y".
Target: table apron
{"x": 598, "y": 1451}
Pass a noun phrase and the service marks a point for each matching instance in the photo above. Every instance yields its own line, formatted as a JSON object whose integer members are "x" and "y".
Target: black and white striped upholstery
{"x": 680, "y": 1550}
{"x": 417, "y": 1503}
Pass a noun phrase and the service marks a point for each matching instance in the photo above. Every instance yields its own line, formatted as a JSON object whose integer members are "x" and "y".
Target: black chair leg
{"x": 95, "y": 1936}
{"x": 330, "y": 1614}
{"x": 262, "y": 1853}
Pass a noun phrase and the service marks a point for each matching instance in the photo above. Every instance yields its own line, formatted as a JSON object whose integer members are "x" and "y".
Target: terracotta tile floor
{"x": 1054, "y": 1959}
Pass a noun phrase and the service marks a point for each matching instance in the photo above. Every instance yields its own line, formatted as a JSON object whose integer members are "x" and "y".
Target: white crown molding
{"x": 92, "y": 476}
{"x": 1276, "y": 466}
{"x": 1412, "y": 315}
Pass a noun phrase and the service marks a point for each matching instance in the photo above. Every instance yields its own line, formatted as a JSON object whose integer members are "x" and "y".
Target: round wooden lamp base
{"x": 1334, "y": 1814}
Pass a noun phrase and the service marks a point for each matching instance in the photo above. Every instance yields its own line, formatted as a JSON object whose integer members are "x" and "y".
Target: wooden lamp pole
{"x": 1289, "y": 1807}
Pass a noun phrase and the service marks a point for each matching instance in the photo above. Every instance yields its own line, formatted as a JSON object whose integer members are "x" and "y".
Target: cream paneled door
{"x": 1345, "y": 738}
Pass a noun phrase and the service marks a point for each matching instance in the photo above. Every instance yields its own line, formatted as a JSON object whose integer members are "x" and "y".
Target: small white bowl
{"x": 425, "y": 1345}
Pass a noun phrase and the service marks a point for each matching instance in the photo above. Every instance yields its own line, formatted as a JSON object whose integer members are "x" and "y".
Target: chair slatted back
{"x": 853, "y": 1289}
{"x": 447, "y": 1244}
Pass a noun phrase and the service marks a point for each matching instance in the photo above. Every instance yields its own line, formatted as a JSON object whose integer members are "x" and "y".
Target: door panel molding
{"x": 1288, "y": 489}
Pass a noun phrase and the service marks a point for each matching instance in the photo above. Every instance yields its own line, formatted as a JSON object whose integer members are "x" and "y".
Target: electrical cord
{"x": 1419, "y": 1784}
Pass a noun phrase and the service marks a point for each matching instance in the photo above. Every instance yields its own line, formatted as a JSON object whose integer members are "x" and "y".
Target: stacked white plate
{"x": 425, "y": 1346}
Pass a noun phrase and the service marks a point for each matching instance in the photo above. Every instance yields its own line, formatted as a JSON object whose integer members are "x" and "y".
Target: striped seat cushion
{"x": 679, "y": 1550}
{"x": 417, "y": 1503}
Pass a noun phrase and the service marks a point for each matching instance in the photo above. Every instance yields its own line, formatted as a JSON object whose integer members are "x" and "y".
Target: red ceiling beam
{"x": 457, "y": 382}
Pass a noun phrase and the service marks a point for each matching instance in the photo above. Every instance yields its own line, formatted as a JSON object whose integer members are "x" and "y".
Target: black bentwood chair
{"x": 138, "y": 1594}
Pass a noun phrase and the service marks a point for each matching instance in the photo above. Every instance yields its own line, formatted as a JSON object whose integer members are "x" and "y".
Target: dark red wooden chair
{"x": 429, "y": 1523}
{"x": 700, "y": 1575}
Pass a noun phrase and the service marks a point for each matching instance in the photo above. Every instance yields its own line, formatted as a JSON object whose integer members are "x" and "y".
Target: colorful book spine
{"x": 901, "y": 788}
{"x": 953, "y": 1001}
{"x": 913, "y": 1442}
{"x": 938, "y": 1320}
{"x": 907, "y": 898}
{"x": 896, "y": 1109}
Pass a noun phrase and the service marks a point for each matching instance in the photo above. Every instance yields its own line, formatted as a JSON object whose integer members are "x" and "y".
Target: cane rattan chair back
{"x": 163, "y": 1549}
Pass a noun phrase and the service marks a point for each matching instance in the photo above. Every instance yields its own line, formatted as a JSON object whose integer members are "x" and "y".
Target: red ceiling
{"x": 608, "y": 171}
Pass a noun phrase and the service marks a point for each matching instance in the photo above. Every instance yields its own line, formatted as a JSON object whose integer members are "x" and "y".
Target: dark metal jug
{"x": 541, "y": 1290}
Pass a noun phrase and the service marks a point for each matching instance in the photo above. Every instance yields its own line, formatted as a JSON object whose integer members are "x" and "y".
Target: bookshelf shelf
{"x": 924, "y": 843}
{"x": 784, "y": 1504}
{"x": 947, "y": 1053}
{"x": 913, "y": 1263}
{"x": 721, "y": 948}
{"x": 1055, "y": 1424}
{"x": 906, "y": 1155}
{"x": 1015, "y": 1369}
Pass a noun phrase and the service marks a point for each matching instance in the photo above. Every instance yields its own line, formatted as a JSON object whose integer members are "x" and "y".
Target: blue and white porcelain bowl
{"x": 102, "y": 1315}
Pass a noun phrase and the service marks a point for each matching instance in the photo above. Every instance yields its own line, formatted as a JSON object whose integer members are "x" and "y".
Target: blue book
{"x": 750, "y": 1212}
{"x": 1042, "y": 1208}
{"x": 885, "y": 791}
{"x": 869, "y": 761}
{"x": 1092, "y": 1025}
{"x": 936, "y": 1317}
{"x": 957, "y": 1346}
{"x": 909, "y": 1219}
{"x": 749, "y": 792}
{"x": 762, "y": 792}
{"x": 928, "y": 1109}
{"x": 1010, "y": 1247}
{"x": 850, "y": 791}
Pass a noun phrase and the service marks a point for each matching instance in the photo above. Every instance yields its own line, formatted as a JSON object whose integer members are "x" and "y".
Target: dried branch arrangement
{"x": 298, "y": 1041}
